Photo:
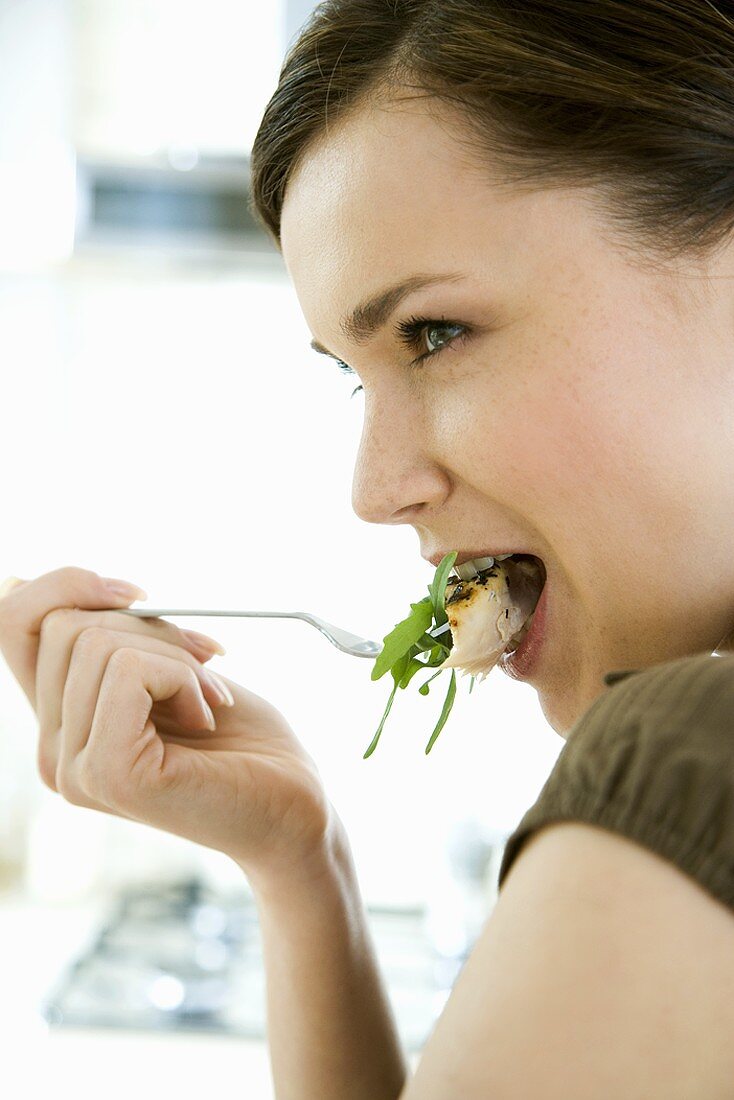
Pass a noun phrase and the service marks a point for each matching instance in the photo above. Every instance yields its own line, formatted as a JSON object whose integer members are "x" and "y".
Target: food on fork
{"x": 466, "y": 622}
{"x": 490, "y": 613}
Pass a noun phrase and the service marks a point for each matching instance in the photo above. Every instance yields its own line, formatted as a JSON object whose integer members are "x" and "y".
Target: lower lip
{"x": 521, "y": 664}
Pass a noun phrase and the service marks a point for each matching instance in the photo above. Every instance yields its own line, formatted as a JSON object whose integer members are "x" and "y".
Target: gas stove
{"x": 186, "y": 957}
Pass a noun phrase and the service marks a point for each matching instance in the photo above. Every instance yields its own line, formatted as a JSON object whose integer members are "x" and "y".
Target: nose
{"x": 396, "y": 472}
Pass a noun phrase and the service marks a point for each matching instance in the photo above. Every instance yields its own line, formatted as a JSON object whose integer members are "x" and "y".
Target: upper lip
{"x": 469, "y": 555}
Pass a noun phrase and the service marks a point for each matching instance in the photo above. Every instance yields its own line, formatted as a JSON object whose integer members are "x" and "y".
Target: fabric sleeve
{"x": 653, "y": 759}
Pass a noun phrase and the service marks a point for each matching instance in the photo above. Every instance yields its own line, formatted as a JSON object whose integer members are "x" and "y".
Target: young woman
{"x": 514, "y": 222}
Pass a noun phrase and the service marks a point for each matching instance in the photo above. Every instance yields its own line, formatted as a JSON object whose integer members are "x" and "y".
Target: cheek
{"x": 531, "y": 425}
{"x": 565, "y": 431}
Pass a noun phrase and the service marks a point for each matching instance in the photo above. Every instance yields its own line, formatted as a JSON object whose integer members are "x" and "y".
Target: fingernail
{"x": 210, "y": 720}
{"x": 203, "y": 641}
{"x": 123, "y": 590}
{"x": 220, "y": 687}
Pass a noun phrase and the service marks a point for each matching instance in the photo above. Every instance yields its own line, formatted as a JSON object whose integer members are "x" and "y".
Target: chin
{"x": 560, "y": 715}
{"x": 565, "y": 703}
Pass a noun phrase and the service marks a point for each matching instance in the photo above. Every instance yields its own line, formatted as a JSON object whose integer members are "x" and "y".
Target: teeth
{"x": 469, "y": 569}
{"x": 466, "y": 571}
{"x": 483, "y": 563}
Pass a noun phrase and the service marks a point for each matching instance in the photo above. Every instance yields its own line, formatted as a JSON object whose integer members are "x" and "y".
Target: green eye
{"x": 436, "y": 336}
{"x": 429, "y": 335}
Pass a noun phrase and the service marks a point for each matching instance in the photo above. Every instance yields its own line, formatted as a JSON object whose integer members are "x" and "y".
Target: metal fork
{"x": 342, "y": 639}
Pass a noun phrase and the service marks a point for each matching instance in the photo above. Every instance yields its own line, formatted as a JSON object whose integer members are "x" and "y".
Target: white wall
{"x": 157, "y": 74}
{"x": 36, "y": 161}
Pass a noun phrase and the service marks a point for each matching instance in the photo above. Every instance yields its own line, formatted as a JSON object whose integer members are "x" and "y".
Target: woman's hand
{"x": 126, "y": 726}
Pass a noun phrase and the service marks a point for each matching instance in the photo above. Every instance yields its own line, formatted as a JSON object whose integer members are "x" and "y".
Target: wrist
{"x": 327, "y": 862}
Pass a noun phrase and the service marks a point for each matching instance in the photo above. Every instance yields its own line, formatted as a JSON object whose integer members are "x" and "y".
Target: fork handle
{"x": 347, "y": 643}
{"x": 159, "y": 612}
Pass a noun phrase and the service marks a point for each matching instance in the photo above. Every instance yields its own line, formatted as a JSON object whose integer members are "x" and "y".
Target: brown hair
{"x": 634, "y": 98}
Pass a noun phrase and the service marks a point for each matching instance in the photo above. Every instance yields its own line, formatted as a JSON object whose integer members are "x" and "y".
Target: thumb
{"x": 25, "y": 604}
{"x": 8, "y": 585}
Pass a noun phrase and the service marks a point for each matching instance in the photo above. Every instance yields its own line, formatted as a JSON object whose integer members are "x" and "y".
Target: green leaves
{"x": 376, "y": 738}
{"x": 423, "y": 689}
{"x": 409, "y": 648}
{"x": 403, "y": 637}
{"x": 448, "y": 704}
{"x": 437, "y": 588}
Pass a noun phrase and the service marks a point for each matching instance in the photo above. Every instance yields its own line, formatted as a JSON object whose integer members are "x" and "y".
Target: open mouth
{"x": 526, "y": 586}
{"x": 469, "y": 570}
{"x": 490, "y": 604}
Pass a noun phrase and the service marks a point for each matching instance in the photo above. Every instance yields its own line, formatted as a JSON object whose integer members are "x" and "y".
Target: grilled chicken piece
{"x": 489, "y": 612}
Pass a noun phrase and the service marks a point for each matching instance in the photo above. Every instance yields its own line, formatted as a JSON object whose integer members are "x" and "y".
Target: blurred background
{"x": 164, "y": 420}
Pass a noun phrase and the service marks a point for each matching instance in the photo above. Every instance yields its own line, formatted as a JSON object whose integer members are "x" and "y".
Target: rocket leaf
{"x": 403, "y": 637}
{"x": 448, "y": 704}
{"x": 437, "y": 588}
{"x": 410, "y": 647}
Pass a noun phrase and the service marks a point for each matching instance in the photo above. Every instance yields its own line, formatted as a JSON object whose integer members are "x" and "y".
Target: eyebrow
{"x": 369, "y": 316}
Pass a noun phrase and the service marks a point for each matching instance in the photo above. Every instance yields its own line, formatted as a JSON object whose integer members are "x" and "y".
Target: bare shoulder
{"x": 603, "y": 971}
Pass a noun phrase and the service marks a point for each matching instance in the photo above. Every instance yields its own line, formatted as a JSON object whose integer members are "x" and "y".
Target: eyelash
{"x": 410, "y": 332}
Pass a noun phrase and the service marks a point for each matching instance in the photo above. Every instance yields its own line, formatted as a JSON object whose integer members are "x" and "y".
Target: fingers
{"x": 60, "y": 632}
{"x": 26, "y": 604}
{"x": 90, "y": 657}
{"x": 79, "y": 674}
{"x": 119, "y": 759}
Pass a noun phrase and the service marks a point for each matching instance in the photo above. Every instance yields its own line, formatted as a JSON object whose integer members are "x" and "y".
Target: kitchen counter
{"x": 37, "y": 940}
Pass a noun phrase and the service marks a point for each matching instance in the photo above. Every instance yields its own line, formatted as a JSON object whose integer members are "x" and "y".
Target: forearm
{"x": 331, "y": 1030}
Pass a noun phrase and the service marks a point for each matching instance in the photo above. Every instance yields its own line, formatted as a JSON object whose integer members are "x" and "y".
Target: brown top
{"x": 653, "y": 759}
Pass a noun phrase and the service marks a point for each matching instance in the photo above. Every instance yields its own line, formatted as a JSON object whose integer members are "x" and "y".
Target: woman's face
{"x": 580, "y": 405}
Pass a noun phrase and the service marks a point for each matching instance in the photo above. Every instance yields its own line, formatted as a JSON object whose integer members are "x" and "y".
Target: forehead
{"x": 389, "y": 193}
{"x": 396, "y": 191}
{"x": 372, "y": 161}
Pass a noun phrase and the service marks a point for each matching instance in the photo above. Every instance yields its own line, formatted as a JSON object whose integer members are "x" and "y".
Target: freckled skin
{"x": 589, "y": 419}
